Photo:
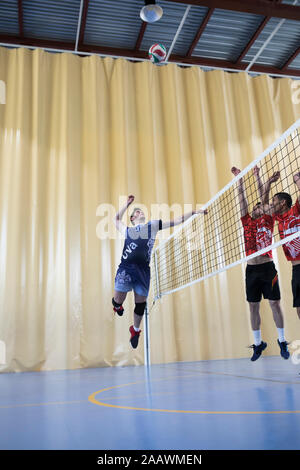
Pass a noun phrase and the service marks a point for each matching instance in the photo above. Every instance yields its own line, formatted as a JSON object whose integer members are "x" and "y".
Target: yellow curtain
{"x": 77, "y": 135}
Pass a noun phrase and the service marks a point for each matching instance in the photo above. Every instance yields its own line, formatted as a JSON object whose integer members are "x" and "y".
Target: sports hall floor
{"x": 223, "y": 404}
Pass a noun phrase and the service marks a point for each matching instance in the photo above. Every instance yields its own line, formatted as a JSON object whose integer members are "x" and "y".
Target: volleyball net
{"x": 206, "y": 245}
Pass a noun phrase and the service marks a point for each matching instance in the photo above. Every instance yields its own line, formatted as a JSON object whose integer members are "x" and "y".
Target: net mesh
{"x": 208, "y": 244}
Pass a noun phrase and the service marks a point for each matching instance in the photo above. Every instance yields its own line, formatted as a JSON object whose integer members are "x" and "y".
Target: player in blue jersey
{"x": 134, "y": 270}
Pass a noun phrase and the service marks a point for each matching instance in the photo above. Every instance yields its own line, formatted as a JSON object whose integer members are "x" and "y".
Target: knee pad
{"x": 140, "y": 308}
{"x": 117, "y": 307}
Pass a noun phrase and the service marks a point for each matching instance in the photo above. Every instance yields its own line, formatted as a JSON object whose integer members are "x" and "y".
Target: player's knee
{"x": 118, "y": 308}
{"x": 115, "y": 304}
{"x": 254, "y": 307}
{"x": 274, "y": 303}
{"x": 140, "y": 309}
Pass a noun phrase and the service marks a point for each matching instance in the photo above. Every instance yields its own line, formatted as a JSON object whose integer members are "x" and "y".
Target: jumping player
{"x": 134, "y": 271}
{"x": 261, "y": 274}
{"x": 288, "y": 218}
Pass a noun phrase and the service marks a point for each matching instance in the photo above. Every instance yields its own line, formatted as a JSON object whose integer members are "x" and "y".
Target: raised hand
{"x": 296, "y": 177}
{"x": 275, "y": 177}
{"x": 235, "y": 171}
{"x": 201, "y": 211}
{"x": 130, "y": 200}
{"x": 256, "y": 170}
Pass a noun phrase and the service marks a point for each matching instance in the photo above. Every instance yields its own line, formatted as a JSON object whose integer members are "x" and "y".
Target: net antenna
{"x": 206, "y": 245}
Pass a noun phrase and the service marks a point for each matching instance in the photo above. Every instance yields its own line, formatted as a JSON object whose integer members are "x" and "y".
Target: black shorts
{"x": 296, "y": 285}
{"x": 262, "y": 279}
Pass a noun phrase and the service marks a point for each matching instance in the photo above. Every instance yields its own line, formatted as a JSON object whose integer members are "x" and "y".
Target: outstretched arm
{"x": 181, "y": 219}
{"x": 260, "y": 185}
{"x": 268, "y": 209}
{"x": 264, "y": 189}
{"x": 118, "y": 219}
{"x": 241, "y": 193}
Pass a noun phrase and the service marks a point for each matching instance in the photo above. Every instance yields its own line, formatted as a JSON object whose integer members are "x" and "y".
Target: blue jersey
{"x": 139, "y": 241}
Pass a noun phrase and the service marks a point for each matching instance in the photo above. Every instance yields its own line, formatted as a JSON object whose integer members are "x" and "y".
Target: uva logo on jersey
{"x": 129, "y": 249}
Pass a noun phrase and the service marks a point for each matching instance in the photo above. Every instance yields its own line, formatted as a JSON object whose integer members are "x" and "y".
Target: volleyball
{"x": 157, "y": 53}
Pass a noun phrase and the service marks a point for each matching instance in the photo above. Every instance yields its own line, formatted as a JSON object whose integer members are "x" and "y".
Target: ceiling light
{"x": 151, "y": 12}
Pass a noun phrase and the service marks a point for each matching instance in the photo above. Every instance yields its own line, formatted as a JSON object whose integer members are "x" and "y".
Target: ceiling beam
{"x": 69, "y": 46}
{"x": 183, "y": 20}
{"x": 225, "y": 64}
{"x": 20, "y": 17}
{"x": 141, "y": 35}
{"x": 79, "y": 24}
{"x": 257, "y": 7}
{"x": 290, "y": 59}
{"x": 114, "y": 51}
{"x": 253, "y": 39}
{"x": 274, "y": 70}
{"x": 142, "y": 55}
{"x": 33, "y": 42}
{"x": 200, "y": 31}
{"x": 264, "y": 45}
{"x": 83, "y": 22}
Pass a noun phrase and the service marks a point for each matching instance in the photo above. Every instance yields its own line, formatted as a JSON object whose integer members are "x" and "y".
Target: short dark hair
{"x": 285, "y": 197}
{"x": 256, "y": 204}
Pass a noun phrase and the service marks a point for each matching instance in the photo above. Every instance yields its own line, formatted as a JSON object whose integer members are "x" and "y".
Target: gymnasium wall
{"x": 77, "y": 135}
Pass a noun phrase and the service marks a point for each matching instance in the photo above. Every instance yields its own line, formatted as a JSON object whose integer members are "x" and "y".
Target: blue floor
{"x": 229, "y": 404}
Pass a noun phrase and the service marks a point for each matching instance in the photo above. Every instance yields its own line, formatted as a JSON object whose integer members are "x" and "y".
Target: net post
{"x": 147, "y": 357}
{"x": 146, "y": 337}
{"x": 157, "y": 296}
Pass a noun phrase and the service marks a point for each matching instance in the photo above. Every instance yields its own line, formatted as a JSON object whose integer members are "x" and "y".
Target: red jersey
{"x": 289, "y": 223}
{"x": 257, "y": 233}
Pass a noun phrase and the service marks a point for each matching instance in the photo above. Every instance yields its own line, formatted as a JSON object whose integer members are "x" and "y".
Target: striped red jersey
{"x": 289, "y": 223}
{"x": 257, "y": 233}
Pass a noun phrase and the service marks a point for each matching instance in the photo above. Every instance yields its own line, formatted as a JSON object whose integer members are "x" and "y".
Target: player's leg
{"x": 296, "y": 288}
{"x": 255, "y": 321}
{"x": 279, "y": 322}
{"x": 139, "y": 310}
{"x": 271, "y": 291}
{"x": 277, "y": 315}
{"x": 254, "y": 294}
{"x": 123, "y": 284}
{"x": 141, "y": 289}
{"x": 258, "y": 345}
{"x": 117, "y": 301}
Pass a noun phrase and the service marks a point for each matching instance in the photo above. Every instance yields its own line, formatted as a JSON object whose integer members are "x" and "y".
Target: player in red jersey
{"x": 261, "y": 274}
{"x": 288, "y": 218}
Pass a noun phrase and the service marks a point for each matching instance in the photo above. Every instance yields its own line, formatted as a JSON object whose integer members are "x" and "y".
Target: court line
{"x": 158, "y": 410}
{"x": 23, "y": 405}
{"x": 93, "y": 400}
{"x": 244, "y": 377}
